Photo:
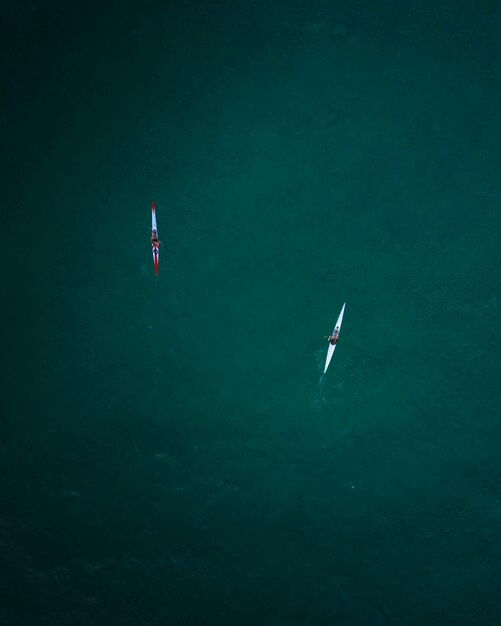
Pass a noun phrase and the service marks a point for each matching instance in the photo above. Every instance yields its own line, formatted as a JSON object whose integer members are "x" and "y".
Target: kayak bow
{"x": 154, "y": 233}
{"x": 331, "y": 349}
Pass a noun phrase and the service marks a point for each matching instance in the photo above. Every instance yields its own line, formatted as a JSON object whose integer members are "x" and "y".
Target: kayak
{"x": 154, "y": 231}
{"x": 331, "y": 349}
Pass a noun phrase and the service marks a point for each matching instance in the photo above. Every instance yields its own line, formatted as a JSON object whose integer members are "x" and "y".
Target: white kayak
{"x": 332, "y": 347}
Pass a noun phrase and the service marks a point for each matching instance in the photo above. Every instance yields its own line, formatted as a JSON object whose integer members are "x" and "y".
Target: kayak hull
{"x": 155, "y": 258}
{"x": 154, "y": 246}
{"x": 330, "y": 354}
{"x": 337, "y": 327}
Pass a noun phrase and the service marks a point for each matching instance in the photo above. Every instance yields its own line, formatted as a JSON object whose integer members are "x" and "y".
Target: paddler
{"x": 333, "y": 338}
{"x": 154, "y": 238}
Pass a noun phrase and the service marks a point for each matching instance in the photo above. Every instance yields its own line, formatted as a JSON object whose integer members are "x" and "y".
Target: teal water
{"x": 170, "y": 451}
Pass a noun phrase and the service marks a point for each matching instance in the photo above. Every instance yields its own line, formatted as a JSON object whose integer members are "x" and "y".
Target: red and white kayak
{"x": 332, "y": 347}
{"x": 154, "y": 236}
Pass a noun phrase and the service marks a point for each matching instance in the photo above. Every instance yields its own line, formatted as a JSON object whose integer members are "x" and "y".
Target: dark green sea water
{"x": 170, "y": 453}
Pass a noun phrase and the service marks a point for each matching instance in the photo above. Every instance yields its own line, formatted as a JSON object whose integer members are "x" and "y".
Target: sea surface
{"x": 170, "y": 450}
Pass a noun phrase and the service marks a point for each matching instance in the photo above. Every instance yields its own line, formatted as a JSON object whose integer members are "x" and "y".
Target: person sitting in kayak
{"x": 333, "y": 338}
{"x": 154, "y": 238}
